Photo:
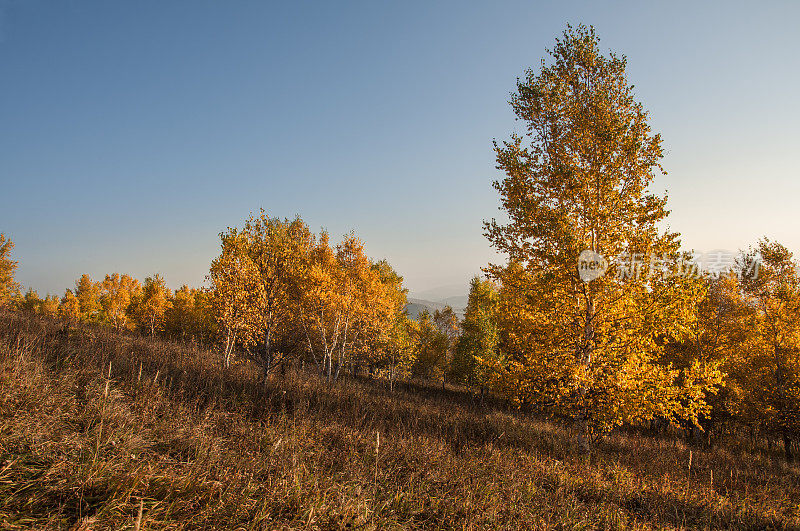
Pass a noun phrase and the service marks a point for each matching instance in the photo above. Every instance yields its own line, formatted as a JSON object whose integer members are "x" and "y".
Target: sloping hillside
{"x": 169, "y": 441}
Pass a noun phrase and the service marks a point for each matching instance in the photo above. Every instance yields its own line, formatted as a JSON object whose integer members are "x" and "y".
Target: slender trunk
{"x": 391, "y": 372}
{"x": 338, "y": 368}
{"x": 341, "y": 359}
{"x": 313, "y": 354}
{"x": 267, "y": 341}
{"x": 225, "y": 357}
{"x": 267, "y": 353}
{"x": 787, "y": 446}
{"x": 588, "y": 338}
{"x": 230, "y": 341}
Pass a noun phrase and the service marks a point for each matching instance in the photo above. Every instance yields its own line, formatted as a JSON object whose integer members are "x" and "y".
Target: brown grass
{"x": 203, "y": 449}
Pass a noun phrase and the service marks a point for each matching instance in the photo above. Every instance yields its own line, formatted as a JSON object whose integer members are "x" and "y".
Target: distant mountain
{"x": 457, "y": 302}
{"x": 442, "y": 292}
{"x": 417, "y": 306}
{"x": 452, "y": 295}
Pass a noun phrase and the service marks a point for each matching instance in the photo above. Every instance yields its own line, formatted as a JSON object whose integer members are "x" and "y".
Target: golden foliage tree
{"x": 449, "y": 325}
{"x": 116, "y": 293}
{"x": 191, "y": 315}
{"x": 230, "y": 277}
{"x": 70, "y": 309}
{"x": 48, "y": 307}
{"x": 88, "y": 294}
{"x": 179, "y": 318}
{"x": 30, "y": 302}
{"x": 151, "y": 306}
{"x": 477, "y": 347}
{"x": 430, "y": 344}
{"x": 254, "y": 280}
{"x": 391, "y": 346}
{"x": 367, "y": 303}
{"x": 770, "y": 353}
{"x": 348, "y": 306}
{"x": 399, "y": 353}
{"x": 9, "y": 289}
{"x": 708, "y": 350}
{"x": 578, "y": 180}
{"x": 321, "y": 305}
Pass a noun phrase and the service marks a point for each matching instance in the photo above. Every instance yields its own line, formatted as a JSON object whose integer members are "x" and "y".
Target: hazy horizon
{"x": 132, "y": 134}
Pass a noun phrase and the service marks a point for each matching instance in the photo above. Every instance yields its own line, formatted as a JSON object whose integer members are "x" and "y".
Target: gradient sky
{"x": 132, "y": 133}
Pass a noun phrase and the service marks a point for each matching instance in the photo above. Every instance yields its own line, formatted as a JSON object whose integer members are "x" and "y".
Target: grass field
{"x": 169, "y": 441}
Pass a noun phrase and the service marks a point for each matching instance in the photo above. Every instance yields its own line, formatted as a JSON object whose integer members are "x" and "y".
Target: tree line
{"x": 276, "y": 293}
{"x": 279, "y": 293}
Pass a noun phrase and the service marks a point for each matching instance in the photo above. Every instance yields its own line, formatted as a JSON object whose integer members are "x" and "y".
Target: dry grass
{"x": 201, "y": 449}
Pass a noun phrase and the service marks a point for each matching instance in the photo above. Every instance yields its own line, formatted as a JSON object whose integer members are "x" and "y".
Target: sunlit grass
{"x": 202, "y": 448}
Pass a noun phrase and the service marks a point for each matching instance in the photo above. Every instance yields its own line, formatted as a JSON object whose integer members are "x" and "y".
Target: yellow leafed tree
{"x": 577, "y": 180}
{"x": 116, "y": 293}
{"x": 254, "y": 281}
{"x": 9, "y": 289}
{"x": 230, "y": 279}
{"x": 70, "y": 309}
{"x": 770, "y": 353}
{"x": 390, "y": 345}
{"x": 49, "y": 306}
{"x": 321, "y": 305}
{"x": 191, "y": 315}
{"x": 88, "y": 294}
{"x": 151, "y": 306}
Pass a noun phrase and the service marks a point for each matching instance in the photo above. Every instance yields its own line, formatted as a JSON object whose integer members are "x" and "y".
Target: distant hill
{"x": 457, "y": 302}
{"x": 417, "y": 306}
{"x": 442, "y": 292}
{"x": 438, "y": 298}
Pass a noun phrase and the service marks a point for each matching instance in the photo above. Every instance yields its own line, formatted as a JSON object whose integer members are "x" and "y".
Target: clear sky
{"x": 132, "y": 133}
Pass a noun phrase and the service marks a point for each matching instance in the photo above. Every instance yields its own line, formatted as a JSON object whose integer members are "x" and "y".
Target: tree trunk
{"x": 582, "y": 420}
{"x": 229, "y": 344}
{"x": 267, "y": 354}
{"x": 225, "y": 361}
{"x": 328, "y": 365}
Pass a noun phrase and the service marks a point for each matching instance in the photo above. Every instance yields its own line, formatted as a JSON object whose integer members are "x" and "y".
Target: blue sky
{"x": 132, "y": 133}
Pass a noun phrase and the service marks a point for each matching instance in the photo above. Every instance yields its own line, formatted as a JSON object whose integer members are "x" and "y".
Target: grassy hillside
{"x": 171, "y": 442}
